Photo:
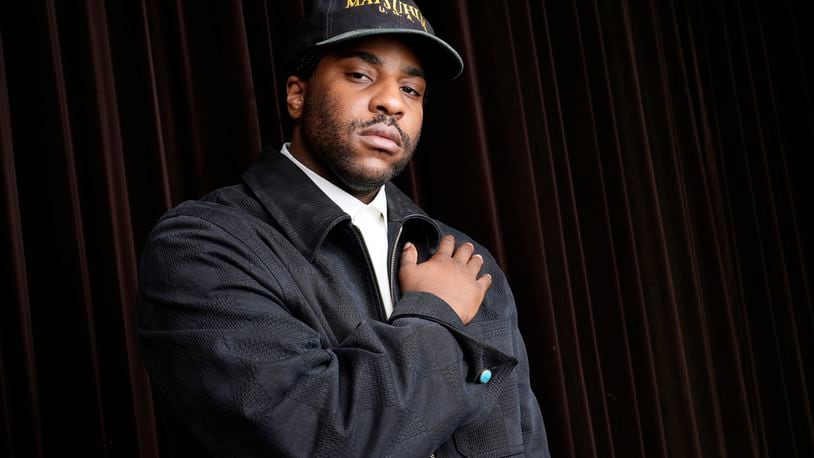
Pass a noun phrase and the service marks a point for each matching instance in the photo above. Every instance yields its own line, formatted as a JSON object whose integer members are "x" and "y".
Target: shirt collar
{"x": 349, "y": 204}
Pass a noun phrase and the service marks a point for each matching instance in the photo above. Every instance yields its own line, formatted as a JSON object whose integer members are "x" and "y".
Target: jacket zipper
{"x": 392, "y": 272}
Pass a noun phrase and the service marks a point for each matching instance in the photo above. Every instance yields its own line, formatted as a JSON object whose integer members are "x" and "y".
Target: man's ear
{"x": 295, "y": 96}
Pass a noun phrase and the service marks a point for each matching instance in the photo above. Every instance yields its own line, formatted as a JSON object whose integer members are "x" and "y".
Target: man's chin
{"x": 367, "y": 180}
{"x": 367, "y": 173}
{"x": 366, "y": 183}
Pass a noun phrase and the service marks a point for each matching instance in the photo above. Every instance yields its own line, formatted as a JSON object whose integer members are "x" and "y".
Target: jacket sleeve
{"x": 514, "y": 425}
{"x": 251, "y": 379}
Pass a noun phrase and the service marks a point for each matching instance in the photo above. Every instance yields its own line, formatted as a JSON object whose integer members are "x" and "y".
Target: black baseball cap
{"x": 330, "y": 22}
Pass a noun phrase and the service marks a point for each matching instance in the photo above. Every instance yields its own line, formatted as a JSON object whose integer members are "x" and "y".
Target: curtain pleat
{"x": 639, "y": 168}
{"x": 626, "y": 388}
{"x": 572, "y": 307}
{"x": 20, "y": 399}
{"x": 131, "y": 379}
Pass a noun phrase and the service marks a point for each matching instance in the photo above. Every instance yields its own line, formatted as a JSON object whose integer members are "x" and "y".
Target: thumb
{"x": 409, "y": 256}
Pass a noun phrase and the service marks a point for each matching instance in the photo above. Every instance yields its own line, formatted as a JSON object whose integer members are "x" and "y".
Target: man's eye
{"x": 358, "y": 76}
{"x": 411, "y": 91}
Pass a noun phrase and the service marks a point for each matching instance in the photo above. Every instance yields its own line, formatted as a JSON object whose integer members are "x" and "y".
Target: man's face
{"x": 359, "y": 116}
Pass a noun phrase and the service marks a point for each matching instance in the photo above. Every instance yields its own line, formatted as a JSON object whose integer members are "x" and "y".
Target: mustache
{"x": 387, "y": 121}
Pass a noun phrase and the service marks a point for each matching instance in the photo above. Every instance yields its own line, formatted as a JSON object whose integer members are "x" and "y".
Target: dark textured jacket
{"x": 262, "y": 325}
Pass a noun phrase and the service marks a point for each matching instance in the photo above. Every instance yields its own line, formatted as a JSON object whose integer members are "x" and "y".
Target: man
{"x": 314, "y": 310}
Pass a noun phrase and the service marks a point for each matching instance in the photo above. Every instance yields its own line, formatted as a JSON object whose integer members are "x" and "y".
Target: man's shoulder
{"x": 232, "y": 209}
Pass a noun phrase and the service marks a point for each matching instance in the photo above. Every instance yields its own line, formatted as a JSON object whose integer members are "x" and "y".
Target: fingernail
{"x": 407, "y": 245}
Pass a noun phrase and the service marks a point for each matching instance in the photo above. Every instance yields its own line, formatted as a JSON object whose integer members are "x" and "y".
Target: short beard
{"x": 329, "y": 144}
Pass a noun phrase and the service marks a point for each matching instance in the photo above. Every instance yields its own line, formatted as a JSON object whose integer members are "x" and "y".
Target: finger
{"x": 409, "y": 255}
{"x": 464, "y": 252}
{"x": 484, "y": 282}
{"x": 475, "y": 263}
{"x": 446, "y": 246}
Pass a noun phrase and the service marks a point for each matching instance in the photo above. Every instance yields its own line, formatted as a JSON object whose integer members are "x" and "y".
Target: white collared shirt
{"x": 370, "y": 219}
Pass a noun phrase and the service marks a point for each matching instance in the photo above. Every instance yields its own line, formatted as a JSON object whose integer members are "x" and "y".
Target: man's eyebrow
{"x": 373, "y": 59}
{"x": 413, "y": 71}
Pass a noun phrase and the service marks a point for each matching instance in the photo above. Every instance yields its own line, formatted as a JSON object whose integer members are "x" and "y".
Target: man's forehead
{"x": 376, "y": 50}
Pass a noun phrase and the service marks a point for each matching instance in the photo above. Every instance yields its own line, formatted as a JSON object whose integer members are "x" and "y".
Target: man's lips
{"x": 382, "y": 137}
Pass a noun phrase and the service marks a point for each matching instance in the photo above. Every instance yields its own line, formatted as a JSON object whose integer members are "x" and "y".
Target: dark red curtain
{"x": 640, "y": 168}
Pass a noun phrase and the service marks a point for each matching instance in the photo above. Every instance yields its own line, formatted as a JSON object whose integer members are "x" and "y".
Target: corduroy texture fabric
{"x": 262, "y": 326}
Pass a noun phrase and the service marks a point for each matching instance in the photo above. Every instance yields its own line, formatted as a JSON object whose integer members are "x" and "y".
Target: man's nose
{"x": 388, "y": 100}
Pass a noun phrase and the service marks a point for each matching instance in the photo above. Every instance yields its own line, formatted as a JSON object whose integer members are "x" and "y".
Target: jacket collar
{"x": 304, "y": 213}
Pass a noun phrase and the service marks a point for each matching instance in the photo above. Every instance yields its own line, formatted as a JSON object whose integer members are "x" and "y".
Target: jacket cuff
{"x": 415, "y": 304}
{"x": 479, "y": 356}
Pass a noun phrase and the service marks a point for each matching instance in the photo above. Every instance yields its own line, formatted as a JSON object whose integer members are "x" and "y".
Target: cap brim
{"x": 443, "y": 60}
